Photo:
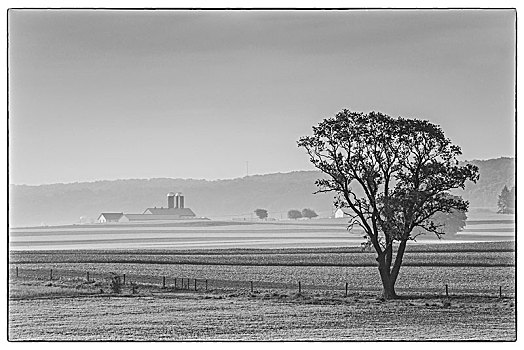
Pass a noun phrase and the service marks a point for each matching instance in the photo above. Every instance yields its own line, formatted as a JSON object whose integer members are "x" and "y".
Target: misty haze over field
{"x": 220, "y": 199}
{"x": 104, "y": 95}
{"x": 97, "y": 96}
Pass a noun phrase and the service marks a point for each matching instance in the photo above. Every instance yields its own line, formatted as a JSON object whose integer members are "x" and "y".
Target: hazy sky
{"x": 138, "y": 94}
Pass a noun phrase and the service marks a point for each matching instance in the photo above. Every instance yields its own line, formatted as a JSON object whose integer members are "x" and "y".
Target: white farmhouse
{"x": 343, "y": 213}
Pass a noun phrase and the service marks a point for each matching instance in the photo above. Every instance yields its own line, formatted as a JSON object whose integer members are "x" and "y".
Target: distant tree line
{"x": 305, "y": 213}
{"x": 292, "y": 214}
{"x": 506, "y": 200}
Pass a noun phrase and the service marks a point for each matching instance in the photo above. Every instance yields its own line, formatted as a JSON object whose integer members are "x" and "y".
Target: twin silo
{"x": 175, "y": 200}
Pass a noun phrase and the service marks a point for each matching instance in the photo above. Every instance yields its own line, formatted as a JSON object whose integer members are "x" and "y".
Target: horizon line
{"x": 199, "y": 179}
{"x": 161, "y": 178}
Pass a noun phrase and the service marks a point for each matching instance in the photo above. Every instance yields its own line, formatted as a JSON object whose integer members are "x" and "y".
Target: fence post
{"x": 164, "y": 282}
{"x": 188, "y": 284}
{"x": 17, "y": 271}
{"x": 299, "y": 287}
{"x": 346, "y": 289}
{"x": 175, "y": 282}
{"x": 447, "y": 294}
{"x": 87, "y": 276}
{"x": 500, "y": 292}
{"x": 251, "y": 286}
{"x": 195, "y": 284}
{"x": 51, "y": 274}
{"x": 124, "y": 279}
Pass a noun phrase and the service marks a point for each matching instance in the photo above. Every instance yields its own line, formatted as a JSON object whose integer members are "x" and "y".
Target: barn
{"x": 175, "y": 211}
{"x": 110, "y": 217}
{"x": 155, "y": 217}
{"x": 182, "y": 213}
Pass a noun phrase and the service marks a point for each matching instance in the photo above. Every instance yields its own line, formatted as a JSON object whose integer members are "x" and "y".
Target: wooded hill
{"x": 220, "y": 199}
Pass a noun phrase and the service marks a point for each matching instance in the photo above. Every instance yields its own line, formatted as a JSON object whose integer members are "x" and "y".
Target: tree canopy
{"x": 506, "y": 201}
{"x": 450, "y": 223}
{"x": 394, "y": 173}
{"x": 294, "y": 214}
{"x": 261, "y": 213}
{"x": 309, "y": 213}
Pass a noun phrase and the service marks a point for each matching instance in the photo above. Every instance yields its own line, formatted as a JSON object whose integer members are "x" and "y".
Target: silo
{"x": 179, "y": 200}
{"x": 170, "y": 200}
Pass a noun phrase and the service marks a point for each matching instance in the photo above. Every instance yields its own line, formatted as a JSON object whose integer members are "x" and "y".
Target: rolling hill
{"x": 220, "y": 199}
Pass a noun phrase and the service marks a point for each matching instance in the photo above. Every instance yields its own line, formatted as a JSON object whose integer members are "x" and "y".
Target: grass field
{"x": 271, "y": 258}
{"x": 264, "y": 316}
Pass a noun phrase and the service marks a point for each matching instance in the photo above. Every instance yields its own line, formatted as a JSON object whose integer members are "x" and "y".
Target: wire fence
{"x": 132, "y": 281}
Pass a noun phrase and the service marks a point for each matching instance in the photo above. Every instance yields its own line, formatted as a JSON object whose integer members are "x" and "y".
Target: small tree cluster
{"x": 506, "y": 201}
{"x": 305, "y": 213}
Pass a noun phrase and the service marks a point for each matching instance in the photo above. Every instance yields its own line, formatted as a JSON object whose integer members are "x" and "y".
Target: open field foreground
{"x": 253, "y": 294}
{"x": 259, "y": 316}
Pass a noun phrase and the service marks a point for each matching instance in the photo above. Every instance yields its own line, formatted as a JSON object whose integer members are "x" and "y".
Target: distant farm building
{"x": 110, "y": 217}
{"x": 175, "y": 211}
{"x": 343, "y": 212}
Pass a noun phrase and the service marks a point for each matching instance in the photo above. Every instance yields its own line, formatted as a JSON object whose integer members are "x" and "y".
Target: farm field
{"x": 228, "y": 234}
{"x": 226, "y": 306}
{"x": 214, "y": 280}
{"x": 264, "y": 316}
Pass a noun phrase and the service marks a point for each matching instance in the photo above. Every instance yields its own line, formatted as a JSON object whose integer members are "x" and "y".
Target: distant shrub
{"x": 134, "y": 288}
{"x": 116, "y": 284}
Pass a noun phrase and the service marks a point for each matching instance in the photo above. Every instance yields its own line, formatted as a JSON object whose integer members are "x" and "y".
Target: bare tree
{"x": 394, "y": 174}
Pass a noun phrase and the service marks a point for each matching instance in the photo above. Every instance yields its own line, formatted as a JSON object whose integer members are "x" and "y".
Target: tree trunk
{"x": 388, "y": 283}
{"x": 398, "y": 261}
{"x": 388, "y": 292}
{"x": 389, "y": 275}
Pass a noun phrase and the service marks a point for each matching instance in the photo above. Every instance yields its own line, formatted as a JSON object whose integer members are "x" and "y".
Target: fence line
{"x": 162, "y": 282}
